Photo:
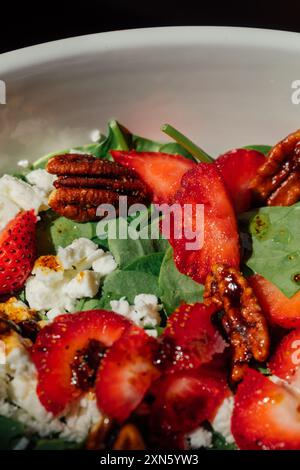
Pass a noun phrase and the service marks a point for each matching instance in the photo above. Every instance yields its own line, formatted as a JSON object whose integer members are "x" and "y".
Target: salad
{"x": 116, "y": 333}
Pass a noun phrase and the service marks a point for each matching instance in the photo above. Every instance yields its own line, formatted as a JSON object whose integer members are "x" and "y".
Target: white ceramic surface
{"x": 223, "y": 87}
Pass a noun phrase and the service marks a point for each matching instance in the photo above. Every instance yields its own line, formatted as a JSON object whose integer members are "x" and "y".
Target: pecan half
{"x": 84, "y": 182}
{"x": 277, "y": 182}
{"x": 243, "y": 320}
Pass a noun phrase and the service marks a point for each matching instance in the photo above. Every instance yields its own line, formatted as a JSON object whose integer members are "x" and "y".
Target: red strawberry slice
{"x": 183, "y": 400}
{"x": 67, "y": 354}
{"x": 204, "y": 185}
{"x": 266, "y": 415}
{"x": 17, "y": 252}
{"x": 280, "y": 309}
{"x": 238, "y": 167}
{"x": 190, "y": 337}
{"x": 126, "y": 373}
{"x": 161, "y": 172}
{"x": 285, "y": 363}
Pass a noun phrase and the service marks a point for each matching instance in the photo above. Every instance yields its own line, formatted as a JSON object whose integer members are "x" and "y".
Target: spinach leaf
{"x": 265, "y": 149}
{"x": 54, "y": 231}
{"x": 56, "y": 444}
{"x": 117, "y": 139}
{"x": 11, "y": 432}
{"x": 275, "y": 253}
{"x": 127, "y": 284}
{"x": 88, "y": 304}
{"x": 176, "y": 288}
{"x": 219, "y": 443}
{"x": 141, "y": 144}
{"x": 126, "y": 249}
{"x": 148, "y": 264}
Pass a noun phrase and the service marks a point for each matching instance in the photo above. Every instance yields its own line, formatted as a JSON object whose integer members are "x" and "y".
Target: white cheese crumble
{"x": 144, "y": 312}
{"x": 222, "y": 420}
{"x": 198, "y": 438}
{"x": 84, "y": 284}
{"x": 57, "y": 282}
{"x": 16, "y": 194}
{"x": 42, "y": 180}
{"x": 19, "y": 400}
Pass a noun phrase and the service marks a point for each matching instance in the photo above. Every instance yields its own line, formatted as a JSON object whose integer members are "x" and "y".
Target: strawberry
{"x": 161, "y": 172}
{"x": 126, "y": 373}
{"x": 191, "y": 338}
{"x": 183, "y": 400}
{"x": 68, "y": 351}
{"x": 280, "y": 309}
{"x": 266, "y": 415}
{"x": 17, "y": 252}
{"x": 285, "y": 363}
{"x": 238, "y": 167}
{"x": 203, "y": 185}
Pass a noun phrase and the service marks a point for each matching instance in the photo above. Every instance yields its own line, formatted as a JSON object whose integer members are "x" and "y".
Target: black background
{"x": 24, "y": 24}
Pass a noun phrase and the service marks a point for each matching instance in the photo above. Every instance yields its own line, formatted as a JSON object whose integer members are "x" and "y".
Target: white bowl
{"x": 223, "y": 87}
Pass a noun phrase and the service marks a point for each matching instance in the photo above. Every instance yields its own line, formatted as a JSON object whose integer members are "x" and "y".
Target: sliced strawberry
{"x": 280, "y": 309}
{"x": 67, "y": 354}
{"x": 126, "y": 373}
{"x": 17, "y": 252}
{"x": 204, "y": 185}
{"x": 285, "y": 363}
{"x": 183, "y": 400}
{"x": 190, "y": 337}
{"x": 238, "y": 167}
{"x": 266, "y": 415}
{"x": 161, "y": 172}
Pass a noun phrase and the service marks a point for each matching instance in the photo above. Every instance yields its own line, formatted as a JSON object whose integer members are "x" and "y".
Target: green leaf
{"x": 85, "y": 304}
{"x": 56, "y": 444}
{"x": 127, "y": 284}
{"x": 275, "y": 254}
{"x": 176, "y": 288}
{"x": 126, "y": 250}
{"x": 140, "y": 144}
{"x": 54, "y": 231}
{"x": 219, "y": 443}
{"x": 148, "y": 264}
{"x": 265, "y": 149}
{"x": 117, "y": 138}
{"x": 198, "y": 153}
{"x": 11, "y": 432}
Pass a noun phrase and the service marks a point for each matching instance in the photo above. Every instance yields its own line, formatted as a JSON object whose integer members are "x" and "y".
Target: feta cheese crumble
{"x": 201, "y": 437}
{"x": 222, "y": 420}
{"x": 42, "y": 180}
{"x": 16, "y": 194}
{"x": 57, "y": 282}
{"x": 19, "y": 401}
{"x": 198, "y": 438}
{"x": 144, "y": 312}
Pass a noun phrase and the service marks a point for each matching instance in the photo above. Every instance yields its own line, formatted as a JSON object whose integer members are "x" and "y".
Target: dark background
{"x": 24, "y": 24}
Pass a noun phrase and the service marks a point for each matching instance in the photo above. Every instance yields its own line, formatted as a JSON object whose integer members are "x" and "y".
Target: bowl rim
{"x": 144, "y": 37}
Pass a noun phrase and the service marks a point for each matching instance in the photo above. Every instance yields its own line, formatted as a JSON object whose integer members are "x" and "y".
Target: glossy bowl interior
{"x": 224, "y": 87}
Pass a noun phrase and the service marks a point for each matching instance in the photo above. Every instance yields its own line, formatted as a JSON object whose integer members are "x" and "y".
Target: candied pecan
{"x": 243, "y": 320}
{"x": 84, "y": 182}
{"x": 277, "y": 182}
{"x": 85, "y": 165}
{"x": 81, "y": 204}
{"x": 121, "y": 186}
